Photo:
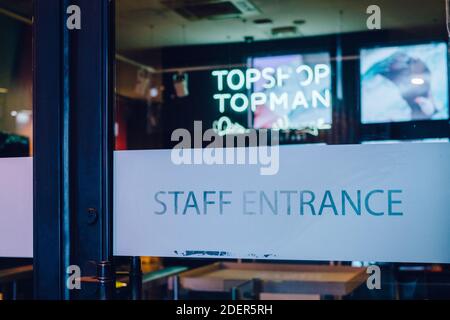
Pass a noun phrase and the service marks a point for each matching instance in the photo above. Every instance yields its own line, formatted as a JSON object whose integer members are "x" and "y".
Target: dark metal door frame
{"x": 73, "y": 137}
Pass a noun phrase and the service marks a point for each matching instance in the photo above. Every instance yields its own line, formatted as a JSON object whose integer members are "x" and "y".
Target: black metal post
{"x": 73, "y": 105}
{"x": 106, "y": 280}
{"x": 135, "y": 278}
{"x": 176, "y": 288}
{"x": 92, "y": 94}
{"x": 15, "y": 290}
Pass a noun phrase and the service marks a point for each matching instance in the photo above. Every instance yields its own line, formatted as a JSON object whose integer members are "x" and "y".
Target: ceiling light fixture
{"x": 299, "y": 22}
{"x": 263, "y": 21}
{"x": 285, "y": 31}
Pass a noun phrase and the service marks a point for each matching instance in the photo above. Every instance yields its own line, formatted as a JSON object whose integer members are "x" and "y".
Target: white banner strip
{"x": 385, "y": 203}
{"x": 16, "y": 207}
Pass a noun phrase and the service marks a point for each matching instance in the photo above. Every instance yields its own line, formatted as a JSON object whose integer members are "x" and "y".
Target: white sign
{"x": 384, "y": 203}
{"x": 16, "y": 207}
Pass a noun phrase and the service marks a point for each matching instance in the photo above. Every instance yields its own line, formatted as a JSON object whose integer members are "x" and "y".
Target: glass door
{"x": 270, "y": 138}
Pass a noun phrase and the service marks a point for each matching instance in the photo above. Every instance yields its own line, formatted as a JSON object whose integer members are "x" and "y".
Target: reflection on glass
{"x": 311, "y": 69}
{"x": 283, "y": 65}
{"x": 404, "y": 83}
{"x": 301, "y": 100}
{"x": 16, "y": 131}
{"x": 15, "y": 88}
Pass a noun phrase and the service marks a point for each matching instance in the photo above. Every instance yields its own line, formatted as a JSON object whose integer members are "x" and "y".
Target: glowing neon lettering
{"x": 233, "y": 86}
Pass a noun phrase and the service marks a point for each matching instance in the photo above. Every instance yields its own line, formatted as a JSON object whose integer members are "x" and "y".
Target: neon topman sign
{"x": 325, "y": 204}
{"x": 237, "y": 80}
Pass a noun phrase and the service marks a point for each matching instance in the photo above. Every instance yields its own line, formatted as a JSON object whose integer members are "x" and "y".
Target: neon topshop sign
{"x": 237, "y": 80}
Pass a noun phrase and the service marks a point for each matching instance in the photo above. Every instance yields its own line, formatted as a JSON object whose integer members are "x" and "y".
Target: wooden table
{"x": 277, "y": 280}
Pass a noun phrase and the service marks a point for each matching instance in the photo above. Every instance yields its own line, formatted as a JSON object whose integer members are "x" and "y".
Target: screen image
{"x": 404, "y": 83}
{"x": 300, "y": 97}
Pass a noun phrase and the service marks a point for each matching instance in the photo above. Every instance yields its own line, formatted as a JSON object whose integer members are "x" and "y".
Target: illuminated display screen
{"x": 300, "y": 99}
{"x": 404, "y": 83}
